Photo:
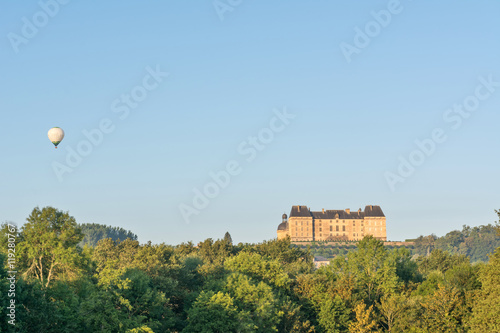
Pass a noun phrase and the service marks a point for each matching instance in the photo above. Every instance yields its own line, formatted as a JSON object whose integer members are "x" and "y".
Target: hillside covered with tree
{"x": 474, "y": 242}
{"x": 216, "y": 286}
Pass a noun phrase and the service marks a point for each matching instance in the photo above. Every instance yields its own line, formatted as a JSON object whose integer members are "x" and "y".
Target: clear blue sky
{"x": 353, "y": 120}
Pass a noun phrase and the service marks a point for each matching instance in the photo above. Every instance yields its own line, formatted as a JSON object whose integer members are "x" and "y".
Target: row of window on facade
{"x": 353, "y": 223}
{"x": 307, "y": 223}
{"x": 337, "y": 228}
{"x": 331, "y": 234}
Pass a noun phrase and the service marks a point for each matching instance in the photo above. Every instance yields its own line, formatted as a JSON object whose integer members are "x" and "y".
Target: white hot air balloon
{"x": 56, "y": 134}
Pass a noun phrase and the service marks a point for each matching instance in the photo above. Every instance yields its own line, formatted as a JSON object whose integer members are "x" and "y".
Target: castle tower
{"x": 283, "y": 227}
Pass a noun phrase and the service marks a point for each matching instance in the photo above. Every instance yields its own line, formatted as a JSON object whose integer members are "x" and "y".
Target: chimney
{"x": 348, "y": 211}
{"x": 323, "y": 211}
{"x": 298, "y": 208}
{"x": 359, "y": 210}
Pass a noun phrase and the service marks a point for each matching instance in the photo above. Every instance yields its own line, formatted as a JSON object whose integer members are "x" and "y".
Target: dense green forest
{"x": 474, "y": 242}
{"x": 217, "y": 286}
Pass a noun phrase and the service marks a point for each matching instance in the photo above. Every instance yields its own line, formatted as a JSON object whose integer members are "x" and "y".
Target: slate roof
{"x": 370, "y": 211}
{"x": 283, "y": 226}
{"x": 331, "y": 215}
{"x": 374, "y": 211}
{"x": 300, "y": 211}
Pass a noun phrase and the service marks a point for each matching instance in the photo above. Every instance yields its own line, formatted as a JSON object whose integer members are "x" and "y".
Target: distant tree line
{"x": 93, "y": 233}
{"x": 216, "y": 286}
{"x": 474, "y": 242}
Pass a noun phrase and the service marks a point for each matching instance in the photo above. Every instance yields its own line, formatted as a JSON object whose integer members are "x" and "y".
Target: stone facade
{"x": 304, "y": 225}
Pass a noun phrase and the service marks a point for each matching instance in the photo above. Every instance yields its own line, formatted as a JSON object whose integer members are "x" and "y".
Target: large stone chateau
{"x": 334, "y": 225}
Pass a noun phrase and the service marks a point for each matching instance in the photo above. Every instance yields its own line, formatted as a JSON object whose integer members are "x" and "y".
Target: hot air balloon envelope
{"x": 56, "y": 134}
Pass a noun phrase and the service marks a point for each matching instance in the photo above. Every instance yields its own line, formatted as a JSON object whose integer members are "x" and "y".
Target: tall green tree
{"x": 8, "y": 230}
{"x": 227, "y": 238}
{"x": 425, "y": 244}
{"x": 372, "y": 267}
{"x": 334, "y": 315}
{"x": 294, "y": 260}
{"x": 442, "y": 311}
{"x": 213, "y": 313}
{"x": 441, "y": 261}
{"x": 215, "y": 252}
{"x": 486, "y": 310}
{"x": 293, "y": 319}
{"x": 391, "y": 308}
{"x": 256, "y": 301}
{"x": 254, "y": 265}
{"x": 364, "y": 321}
{"x": 48, "y": 245}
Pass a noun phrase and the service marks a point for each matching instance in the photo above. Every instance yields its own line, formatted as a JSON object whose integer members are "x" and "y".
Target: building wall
{"x": 332, "y": 228}
{"x": 376, "y": 226}
{"x": 282, "y": 234}
{"x": 301, "y": 228}
{"x": 309, "y": 229}
{"x": 350, "y": 229}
